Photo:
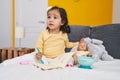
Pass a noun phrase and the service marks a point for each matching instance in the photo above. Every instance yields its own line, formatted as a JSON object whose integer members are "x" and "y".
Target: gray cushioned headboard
{"x": 110, "y": 35}
{"x": 78, "y": 32}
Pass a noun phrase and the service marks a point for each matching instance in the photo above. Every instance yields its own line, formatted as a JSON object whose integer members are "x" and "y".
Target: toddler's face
{"x": 54, "y": 20}
{"x": 82, "y": 46}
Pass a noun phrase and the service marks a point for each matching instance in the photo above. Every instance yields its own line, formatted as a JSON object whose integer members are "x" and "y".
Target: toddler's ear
{"x": 62, "y": 23}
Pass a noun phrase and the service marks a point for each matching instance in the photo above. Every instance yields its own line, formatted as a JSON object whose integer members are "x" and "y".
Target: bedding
{"x": 13, "y": 70}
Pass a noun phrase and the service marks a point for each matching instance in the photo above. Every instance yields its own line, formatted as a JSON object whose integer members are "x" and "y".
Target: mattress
{"x": 13, "y": 70}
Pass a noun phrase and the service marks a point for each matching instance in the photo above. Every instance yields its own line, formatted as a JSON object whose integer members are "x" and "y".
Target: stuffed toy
{"x": 97, "y": 49}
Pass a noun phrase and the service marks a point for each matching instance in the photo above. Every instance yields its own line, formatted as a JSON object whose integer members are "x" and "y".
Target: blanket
{"x": 97, "y": 49}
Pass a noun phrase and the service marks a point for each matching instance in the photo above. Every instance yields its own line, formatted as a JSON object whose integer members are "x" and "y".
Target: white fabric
{"x": 102, "y": 70}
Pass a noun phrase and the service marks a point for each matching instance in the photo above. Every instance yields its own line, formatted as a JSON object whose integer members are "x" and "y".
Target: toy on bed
{"x": 82, "y": 56}
{"x": 97, "y": 49}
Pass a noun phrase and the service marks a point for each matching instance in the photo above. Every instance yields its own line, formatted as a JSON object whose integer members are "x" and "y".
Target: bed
{"x": 12, "y": 70}
{"x": 103, "y": 70}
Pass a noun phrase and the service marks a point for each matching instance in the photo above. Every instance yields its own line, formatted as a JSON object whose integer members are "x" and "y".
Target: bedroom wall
{"x": 5, "y": 24}
{"x": 86, "y": 12}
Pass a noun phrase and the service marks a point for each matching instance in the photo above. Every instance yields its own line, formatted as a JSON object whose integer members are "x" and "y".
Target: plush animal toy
{"x": 97, "y": 49}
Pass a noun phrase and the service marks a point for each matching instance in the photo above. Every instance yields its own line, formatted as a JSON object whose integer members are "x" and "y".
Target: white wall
{"x": 5, "y": 24}
{"x": 116, "y": 11}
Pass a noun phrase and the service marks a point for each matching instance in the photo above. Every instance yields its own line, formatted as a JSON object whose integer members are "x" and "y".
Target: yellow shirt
{"x": 53, "y": 45}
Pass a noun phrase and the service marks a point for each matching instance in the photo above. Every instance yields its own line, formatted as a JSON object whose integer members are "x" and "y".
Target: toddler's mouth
{"x": 51, "y": 24}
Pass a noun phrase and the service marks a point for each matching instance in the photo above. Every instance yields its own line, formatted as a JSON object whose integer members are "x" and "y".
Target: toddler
{"x": 53, "y": 41}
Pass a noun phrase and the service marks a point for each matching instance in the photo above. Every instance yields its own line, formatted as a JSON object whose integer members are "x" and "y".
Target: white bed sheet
{"x": 103, "y": 70}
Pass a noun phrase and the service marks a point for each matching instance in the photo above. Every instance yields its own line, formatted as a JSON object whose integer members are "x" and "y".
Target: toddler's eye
{"x": 55, "y": 17}
{"x": 48, "y": 17}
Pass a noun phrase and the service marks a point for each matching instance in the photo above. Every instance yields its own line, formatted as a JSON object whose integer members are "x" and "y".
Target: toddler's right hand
{"x": 38, "y": 56}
